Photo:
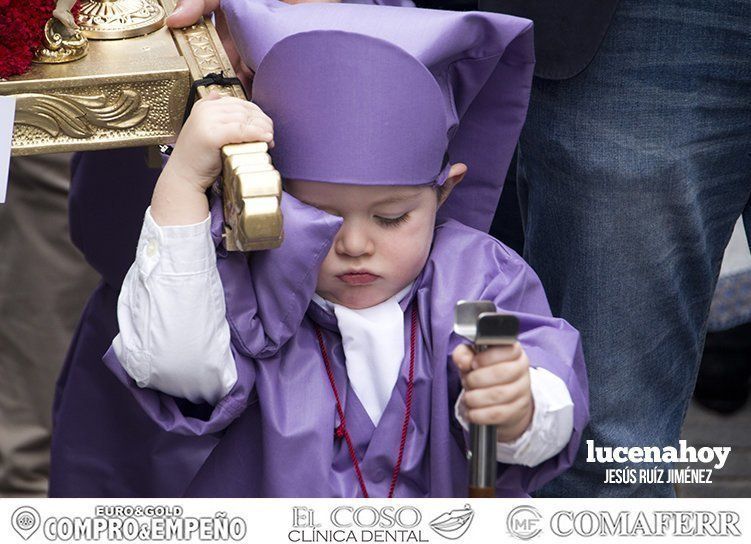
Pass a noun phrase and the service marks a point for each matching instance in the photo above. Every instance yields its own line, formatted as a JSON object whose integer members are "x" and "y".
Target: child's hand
{"x": 496, "y": 388}
{"x": 188, "y": 12}
{"x": 214, "y": 122}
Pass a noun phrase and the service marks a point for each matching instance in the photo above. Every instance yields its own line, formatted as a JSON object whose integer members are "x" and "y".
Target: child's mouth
{"x": 358, "y": 278}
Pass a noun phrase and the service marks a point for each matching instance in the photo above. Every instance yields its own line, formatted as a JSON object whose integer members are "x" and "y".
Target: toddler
{"x": 328, "y": 366}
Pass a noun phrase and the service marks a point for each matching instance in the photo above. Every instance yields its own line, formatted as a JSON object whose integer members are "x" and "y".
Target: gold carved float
{"x": 132, "y": 91}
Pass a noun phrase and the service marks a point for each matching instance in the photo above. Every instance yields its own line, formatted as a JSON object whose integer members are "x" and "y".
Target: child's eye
{"x": 392, "y": 221}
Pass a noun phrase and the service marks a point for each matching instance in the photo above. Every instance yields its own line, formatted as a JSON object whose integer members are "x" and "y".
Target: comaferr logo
{"x": 526, "y": 522}
{"x": 639, "y": 523}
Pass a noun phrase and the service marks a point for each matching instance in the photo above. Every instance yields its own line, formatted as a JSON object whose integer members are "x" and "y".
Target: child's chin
{"x": 366, "y": 298}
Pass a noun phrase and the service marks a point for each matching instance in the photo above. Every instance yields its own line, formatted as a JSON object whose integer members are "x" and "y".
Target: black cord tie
{"x": 210, "y": 79}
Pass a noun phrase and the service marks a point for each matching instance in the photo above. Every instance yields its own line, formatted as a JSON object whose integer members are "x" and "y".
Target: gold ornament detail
{"x": 117, "y": 19}
{"x": 252, "y": 191}
{"x": 60, "y": 44}
{"x": 77, "y": 116}
{"x": 203, "y": 49}
{"x": 251, "y": 186}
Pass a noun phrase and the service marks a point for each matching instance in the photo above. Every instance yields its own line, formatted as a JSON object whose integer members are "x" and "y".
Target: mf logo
{"x": 524, "y": 522}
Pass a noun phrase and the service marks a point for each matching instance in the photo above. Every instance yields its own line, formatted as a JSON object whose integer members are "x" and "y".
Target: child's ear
{"x": 456, "y": 175}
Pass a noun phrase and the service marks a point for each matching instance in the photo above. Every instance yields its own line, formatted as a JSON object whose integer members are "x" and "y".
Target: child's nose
{"x": 353, "y": 240}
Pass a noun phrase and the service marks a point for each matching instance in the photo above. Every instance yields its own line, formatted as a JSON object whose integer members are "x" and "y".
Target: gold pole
{"x": 251, "y": 187}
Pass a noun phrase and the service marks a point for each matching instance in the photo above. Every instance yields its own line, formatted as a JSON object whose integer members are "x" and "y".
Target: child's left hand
{"x": 496, "y": 388}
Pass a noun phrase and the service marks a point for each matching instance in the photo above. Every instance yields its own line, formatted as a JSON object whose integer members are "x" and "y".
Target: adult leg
{"x": 44, "y": 283}
{"x": 631, "y": 177}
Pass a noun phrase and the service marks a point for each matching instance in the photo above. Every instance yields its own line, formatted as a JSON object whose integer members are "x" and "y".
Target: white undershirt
{"x": 373, "y": 343}
{"x": 174, "y": 337}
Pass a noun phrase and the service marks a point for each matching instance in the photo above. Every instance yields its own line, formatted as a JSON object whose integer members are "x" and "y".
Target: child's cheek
{"x": 325, "y": 271}
{"x": 411, "y": 246}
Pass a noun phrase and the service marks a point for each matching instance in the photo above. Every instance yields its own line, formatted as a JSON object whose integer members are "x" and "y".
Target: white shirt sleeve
{"x": 174, "y": 335}
{"x": 551, "y": 425}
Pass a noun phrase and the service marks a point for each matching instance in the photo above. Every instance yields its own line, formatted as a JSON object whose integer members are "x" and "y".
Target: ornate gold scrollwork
{"x": 76, "y": 116}
{"x": 60, "y": 44}
{"x": 117, "y": 19}
{"x": 202, "y": 48}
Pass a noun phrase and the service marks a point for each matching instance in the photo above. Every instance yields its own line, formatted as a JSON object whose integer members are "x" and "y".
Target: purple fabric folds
{"x": 277, "y": 424}
{"x": 359, "y": 94}
{"x": 380, "y": 95}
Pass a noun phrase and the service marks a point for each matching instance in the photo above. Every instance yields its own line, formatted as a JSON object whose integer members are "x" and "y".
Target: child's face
{"x": 383, "y": 243}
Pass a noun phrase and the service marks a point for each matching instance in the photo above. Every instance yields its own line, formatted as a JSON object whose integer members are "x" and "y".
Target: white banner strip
{"x": 285, "y": 521}
{"x": 7, "y": 114}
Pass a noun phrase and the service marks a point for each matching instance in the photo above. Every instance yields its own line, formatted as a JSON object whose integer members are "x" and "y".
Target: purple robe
{"x": 275, "y": 428}
{"x": 103, "y": 444}
{"x": 273, "y": 434}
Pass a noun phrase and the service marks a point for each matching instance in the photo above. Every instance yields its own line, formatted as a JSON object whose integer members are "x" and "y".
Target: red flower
{"x": 21, "y": 29}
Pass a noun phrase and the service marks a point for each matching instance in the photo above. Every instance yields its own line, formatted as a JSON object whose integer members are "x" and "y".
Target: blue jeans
{"x": 631, "y": 176}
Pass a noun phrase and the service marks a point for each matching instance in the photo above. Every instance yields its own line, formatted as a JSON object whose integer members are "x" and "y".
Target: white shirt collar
{"x": 373, "y": 342}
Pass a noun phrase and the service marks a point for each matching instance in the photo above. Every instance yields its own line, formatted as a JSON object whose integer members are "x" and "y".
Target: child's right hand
{"x": 188, "y": 12}
{"x": 214, "y": 122}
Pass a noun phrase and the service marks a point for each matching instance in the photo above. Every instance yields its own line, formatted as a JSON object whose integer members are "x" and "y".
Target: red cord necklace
{"x": 341, "y": 430}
